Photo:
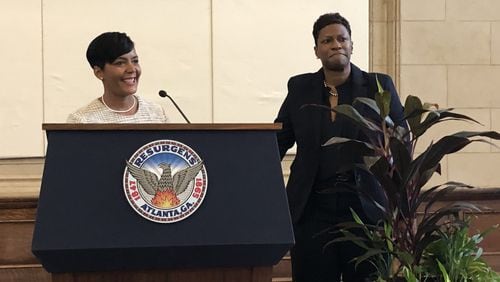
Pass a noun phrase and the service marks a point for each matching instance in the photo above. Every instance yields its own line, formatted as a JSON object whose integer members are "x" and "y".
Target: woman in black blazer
{"x": 317, "y": 168}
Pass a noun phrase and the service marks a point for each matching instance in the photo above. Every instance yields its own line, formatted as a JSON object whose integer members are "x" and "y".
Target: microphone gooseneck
{"x": 164, "y": 94}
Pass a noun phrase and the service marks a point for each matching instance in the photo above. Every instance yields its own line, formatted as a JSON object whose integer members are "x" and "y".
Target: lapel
{"x": 316, "y": 114}
{"x": 360, "y": 86}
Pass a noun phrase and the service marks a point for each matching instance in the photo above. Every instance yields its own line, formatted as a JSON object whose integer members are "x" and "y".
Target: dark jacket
{"x": 303, "y": 126}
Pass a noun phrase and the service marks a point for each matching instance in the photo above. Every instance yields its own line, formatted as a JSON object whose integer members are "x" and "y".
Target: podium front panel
{"x": 84, "y": 222}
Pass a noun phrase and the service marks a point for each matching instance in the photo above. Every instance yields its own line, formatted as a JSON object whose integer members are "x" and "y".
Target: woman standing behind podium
{"x": 114, "y": 60}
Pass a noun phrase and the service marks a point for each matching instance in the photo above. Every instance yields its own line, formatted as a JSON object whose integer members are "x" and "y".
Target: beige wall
{"x": 21, "y": 91}
{"x": 449, "y": 53}
{"x": 222, "y": 60}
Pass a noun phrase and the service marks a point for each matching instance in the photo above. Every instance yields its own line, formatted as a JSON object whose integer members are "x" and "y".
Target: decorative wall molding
{"x": 385, "y": 37}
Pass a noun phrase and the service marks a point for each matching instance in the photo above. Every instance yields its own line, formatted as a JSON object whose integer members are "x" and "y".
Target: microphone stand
{"x": 164, "y": 94}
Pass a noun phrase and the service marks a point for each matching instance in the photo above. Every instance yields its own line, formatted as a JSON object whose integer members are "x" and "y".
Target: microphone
{"x": 164, "y": 94}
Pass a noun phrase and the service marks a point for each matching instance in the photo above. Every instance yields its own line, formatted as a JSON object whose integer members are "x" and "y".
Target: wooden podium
{"x": 86, "y": 230}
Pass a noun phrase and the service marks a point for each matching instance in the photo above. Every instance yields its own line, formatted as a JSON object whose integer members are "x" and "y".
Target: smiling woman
{"x": 114, "y": 60}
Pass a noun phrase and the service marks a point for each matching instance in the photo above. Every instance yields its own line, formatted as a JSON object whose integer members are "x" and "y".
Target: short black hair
{"x": 108, "y": 46}
{"x": 328, "y": 19}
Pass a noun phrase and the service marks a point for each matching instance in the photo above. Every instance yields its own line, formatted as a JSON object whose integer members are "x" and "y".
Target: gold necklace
{"x": 330, "y": 89}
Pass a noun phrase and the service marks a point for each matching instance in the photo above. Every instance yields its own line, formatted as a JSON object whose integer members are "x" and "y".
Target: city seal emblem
{"x": 165, "y": 181}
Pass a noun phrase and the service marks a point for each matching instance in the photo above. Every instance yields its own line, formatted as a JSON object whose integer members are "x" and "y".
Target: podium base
{"x": 238, "y": 274}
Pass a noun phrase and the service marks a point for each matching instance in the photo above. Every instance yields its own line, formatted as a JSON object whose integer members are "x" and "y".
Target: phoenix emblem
{"x": 166, "y": 188}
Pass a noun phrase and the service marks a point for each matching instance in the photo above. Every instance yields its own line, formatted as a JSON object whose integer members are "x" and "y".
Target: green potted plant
{"x": 456, "y": 255}
{"x": 411, "y": 224}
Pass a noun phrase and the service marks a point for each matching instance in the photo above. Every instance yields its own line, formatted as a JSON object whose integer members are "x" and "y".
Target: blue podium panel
{"x": 85, "y": 223}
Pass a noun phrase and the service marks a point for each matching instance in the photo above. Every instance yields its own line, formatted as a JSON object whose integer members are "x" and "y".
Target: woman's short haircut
{"x": 108, "y": 46}
{"x": 328, "y": 19}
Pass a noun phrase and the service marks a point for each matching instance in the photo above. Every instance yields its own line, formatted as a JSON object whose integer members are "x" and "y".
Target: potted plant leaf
{"x": 411, "y": 222}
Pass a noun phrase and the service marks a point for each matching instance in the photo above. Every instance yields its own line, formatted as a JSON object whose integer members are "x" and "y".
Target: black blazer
{"x": 303, "y": 126}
